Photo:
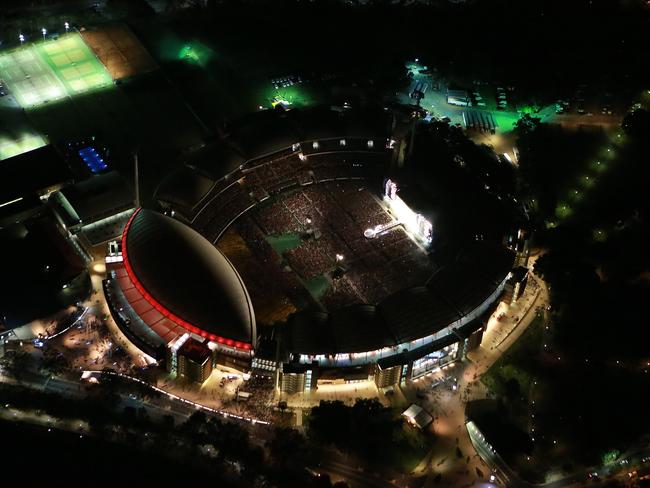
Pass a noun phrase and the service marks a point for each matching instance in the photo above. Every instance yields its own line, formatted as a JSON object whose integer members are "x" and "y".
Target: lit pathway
{"x": 448, "y": 405}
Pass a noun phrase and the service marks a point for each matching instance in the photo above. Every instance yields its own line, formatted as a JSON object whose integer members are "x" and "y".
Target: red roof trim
{"x": 162, "y": 309}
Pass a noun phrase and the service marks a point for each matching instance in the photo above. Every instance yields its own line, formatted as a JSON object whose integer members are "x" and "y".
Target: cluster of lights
{"x": 163, "y": 310}
{"x": 412, "y": 221}
{"x": 223, "y": 413}
{"x": 21, "y": 37}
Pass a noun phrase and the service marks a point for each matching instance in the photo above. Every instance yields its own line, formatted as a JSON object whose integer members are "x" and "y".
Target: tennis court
{"x": 119, "y": 50}
{"x": 14, "y": 146}
{"x": 50, "y": 70}
{"x": 17, "y": 135}
{"x": 74, "y": 64}
{"x": 29, "y": 78}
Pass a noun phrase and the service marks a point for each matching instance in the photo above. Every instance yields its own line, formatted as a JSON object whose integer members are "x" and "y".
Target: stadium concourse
{"x": 294, "y": 287}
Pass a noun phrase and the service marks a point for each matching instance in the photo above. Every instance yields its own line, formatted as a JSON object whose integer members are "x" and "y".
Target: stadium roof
{"x": 184, "y": 187}
{"x": 195, "y": 351}
{"x": 32, "y": 172}
{"x": 99, "y": 196}
{"x": 37, "y": 262}
{"x": 261, "y": 134}
{"x": 187, "y": 279}
{"x": 218, "y": 159}
{"x": 413, "y": 313}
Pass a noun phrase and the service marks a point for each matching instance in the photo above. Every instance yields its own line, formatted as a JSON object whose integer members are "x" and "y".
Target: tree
{"x": 637, "y": 123}
{"x": 288, "y": 447}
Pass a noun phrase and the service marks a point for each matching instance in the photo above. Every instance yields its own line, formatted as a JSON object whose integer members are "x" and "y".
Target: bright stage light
{"x": 414, "y": 222}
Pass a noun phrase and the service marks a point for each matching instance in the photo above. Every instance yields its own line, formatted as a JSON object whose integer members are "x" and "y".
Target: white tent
{"x": 417, "y": 416}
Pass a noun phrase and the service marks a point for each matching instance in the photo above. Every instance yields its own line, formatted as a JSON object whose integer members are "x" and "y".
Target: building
{"x": 517, "y": 281}
{"x": 167, "y": 281}
{"x": 27, "y": 180}
{"x": 39, "y": 261}
{"x": 459, "y": 98}
{"x": 298, "y": 378}
{"x": 411, "y": 332}
{"x": 190, "y": 359}
{"x": 95, "y": 209}
{"x": 37, "y": 172}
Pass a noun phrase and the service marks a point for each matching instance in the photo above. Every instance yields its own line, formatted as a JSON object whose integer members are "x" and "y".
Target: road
{"x": 443, "y": 466}
{"x": 633, "y": 460}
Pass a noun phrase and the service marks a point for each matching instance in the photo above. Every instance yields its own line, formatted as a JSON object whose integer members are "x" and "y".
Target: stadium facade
{"x": 169, "y": 284}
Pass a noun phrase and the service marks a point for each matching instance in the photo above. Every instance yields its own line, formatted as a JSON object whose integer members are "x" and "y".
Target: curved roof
{"x": 454, "y": 292}
{"x": 184, "y": 187}
{"x": 263, "y": 133}
{"x": 187, "y": 279}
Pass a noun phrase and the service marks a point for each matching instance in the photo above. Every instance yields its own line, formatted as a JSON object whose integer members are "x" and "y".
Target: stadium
{"x": 298, "y": 255}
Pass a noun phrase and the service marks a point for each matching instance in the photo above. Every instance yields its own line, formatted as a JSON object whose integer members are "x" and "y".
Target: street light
{"x": 67, "y": 26}
{"x": 21, "y": 38}
{"x": 44, "y": 31}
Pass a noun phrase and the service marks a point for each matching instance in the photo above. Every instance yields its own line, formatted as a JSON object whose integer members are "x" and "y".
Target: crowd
{"x": 256, "y": 406}
{"x": 323, "y": 199}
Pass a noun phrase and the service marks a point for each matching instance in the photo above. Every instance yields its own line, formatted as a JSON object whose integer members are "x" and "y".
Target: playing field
{"x": 10, "y": 147}
{"x": 17, "y": 135}
{"x": 28, "y": 77}
{"x": 74, "y": 64}
{"x": 51, "y": 70}
{"x": 119, "y": 50}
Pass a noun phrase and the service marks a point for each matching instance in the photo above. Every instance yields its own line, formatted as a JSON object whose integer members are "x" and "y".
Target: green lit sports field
{"x": 50, "y": 70}
{"x": 10, "y": 147}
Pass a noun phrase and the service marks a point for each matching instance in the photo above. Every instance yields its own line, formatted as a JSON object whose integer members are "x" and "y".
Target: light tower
{"x": 136, "y": 181}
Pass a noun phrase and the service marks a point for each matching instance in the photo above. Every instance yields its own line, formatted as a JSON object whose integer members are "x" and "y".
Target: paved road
{"x": 505, "y": 474}
{"x": 448, "y": 405}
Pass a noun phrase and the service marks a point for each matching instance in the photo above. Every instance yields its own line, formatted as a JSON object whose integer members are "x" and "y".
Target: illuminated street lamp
{"x": 44, "y": 31}
{"x": 67, "y": 26}
{"x": 21, "y": 38}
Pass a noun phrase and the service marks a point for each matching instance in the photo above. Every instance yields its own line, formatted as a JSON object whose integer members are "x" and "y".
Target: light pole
{"x": 67, "y": 26}
{"x": 44, "y": 31}
{"x": 21, "y": 38}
